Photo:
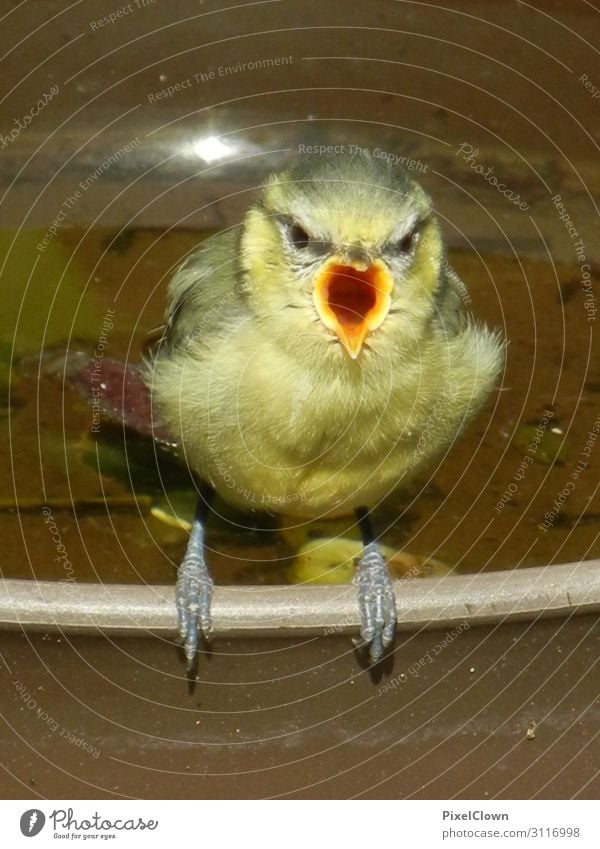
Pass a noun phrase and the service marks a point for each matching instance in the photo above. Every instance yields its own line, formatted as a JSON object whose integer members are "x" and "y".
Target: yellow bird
{"x": 315, "y": 358}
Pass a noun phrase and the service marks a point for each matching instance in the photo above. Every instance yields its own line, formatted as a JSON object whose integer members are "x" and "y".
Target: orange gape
{"x": 353, "y": 300}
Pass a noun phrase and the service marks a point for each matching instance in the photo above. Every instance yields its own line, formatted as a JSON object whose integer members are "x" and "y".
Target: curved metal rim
{"x": 495, "y": 597}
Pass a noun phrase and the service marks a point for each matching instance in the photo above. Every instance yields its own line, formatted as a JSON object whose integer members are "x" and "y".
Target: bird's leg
{"x": 193, "y": 591}
{"x": 375, "y": 593}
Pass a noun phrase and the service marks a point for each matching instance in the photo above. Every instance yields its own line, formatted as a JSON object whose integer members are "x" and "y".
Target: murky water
{"x": 516, "y": 490}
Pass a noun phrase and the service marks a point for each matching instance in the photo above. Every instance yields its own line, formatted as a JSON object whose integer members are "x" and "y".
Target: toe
{"x": 389, "y": 630}
{"x": 191, "y": 643}
{"x": 376, "y": 648}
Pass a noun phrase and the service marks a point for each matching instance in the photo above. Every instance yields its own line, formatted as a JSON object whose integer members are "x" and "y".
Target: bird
{"x": 316, "y": 356}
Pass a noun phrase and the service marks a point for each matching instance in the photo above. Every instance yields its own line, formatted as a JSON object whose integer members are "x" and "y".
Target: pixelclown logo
{"x": 32, "y": 822}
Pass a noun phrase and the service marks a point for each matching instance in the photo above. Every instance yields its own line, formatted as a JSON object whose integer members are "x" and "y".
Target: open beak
{"x": 353, "y": 300}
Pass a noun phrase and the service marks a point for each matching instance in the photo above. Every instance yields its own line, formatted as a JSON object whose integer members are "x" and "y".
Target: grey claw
{"x": 376, "y": 601}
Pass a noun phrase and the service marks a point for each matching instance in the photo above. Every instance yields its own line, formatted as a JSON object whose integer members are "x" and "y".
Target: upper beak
{"x": 353, "y": 300}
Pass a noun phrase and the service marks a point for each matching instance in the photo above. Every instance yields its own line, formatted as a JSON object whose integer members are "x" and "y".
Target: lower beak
{"x": 353, "y": 301}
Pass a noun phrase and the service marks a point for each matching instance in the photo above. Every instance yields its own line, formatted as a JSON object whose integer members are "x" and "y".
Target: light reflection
{"x": 210, "y": 149}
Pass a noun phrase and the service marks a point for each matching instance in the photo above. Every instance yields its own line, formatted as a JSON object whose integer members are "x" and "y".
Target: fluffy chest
{"x": 307, "y": 418}
{"x": 310, "y": 447}
{"x": 311, "y": 432}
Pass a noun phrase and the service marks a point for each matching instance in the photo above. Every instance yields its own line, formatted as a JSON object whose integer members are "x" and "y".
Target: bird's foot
{"x": 376, "y": 601}
{"x": 193, "y": 594}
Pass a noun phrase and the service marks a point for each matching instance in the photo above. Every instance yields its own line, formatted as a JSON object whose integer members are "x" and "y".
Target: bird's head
{"x": 345, "y": 250}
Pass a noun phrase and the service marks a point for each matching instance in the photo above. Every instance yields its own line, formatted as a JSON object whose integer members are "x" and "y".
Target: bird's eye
{"x": 299, "y": 236}
{"x": 406, "y": 243}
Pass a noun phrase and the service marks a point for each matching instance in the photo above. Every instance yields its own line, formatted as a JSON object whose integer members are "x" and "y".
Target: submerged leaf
{"x": 332, "y": 560}
{"x": 120, "y": 391}
{"x": 176, "y": 508}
